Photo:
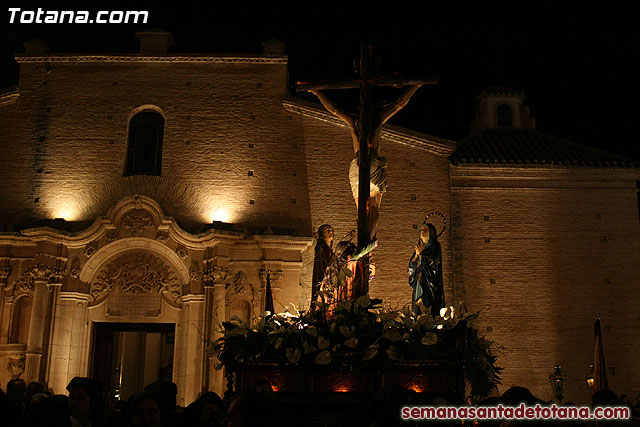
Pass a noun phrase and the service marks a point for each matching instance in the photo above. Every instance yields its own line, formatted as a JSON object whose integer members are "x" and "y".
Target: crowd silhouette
{"x": 89, "y": 404}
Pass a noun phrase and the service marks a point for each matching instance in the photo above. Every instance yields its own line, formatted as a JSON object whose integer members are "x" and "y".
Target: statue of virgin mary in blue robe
{"x": 425, "y": 271}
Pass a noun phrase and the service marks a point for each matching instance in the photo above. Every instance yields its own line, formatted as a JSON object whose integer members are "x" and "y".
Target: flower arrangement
{"x": 362, "y": 332}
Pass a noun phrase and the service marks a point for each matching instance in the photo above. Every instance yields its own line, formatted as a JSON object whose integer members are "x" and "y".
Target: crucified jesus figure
{"x": 378, "y": 181}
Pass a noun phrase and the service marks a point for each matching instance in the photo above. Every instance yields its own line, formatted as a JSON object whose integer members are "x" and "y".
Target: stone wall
{"x": 539, "y": 252}
{"x": 229, "y": 149}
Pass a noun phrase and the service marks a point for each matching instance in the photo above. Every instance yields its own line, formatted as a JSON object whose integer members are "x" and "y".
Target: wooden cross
{"x": 365, "y": 83}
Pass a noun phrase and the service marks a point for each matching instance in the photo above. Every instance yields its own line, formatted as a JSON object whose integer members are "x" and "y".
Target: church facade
{"x": 146, "y": 198}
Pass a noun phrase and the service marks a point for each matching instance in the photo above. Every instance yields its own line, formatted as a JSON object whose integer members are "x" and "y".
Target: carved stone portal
{"x": 136, "y": 273}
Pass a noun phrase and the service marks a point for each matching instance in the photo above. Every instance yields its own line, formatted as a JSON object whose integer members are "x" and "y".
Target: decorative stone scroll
{"x": 194, "y": 275}
{"x": 137, "y": 273}
{"x": 136, "y": 220}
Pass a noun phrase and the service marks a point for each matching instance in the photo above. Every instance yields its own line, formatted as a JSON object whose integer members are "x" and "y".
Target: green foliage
{"x": 362, "y": 332}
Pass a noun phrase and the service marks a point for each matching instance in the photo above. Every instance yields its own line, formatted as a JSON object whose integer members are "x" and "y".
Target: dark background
{"x": 578, "y": 67}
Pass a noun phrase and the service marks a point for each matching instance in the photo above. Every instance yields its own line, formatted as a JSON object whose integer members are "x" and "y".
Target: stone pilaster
{"x": 37, "y": 326}
{"x": 219, "y": 315}
{"x": 69, "y": 352}
{"x": 53, "y": 296}
{"x": 208, "y": 334}
{"x": 192, "y": 344}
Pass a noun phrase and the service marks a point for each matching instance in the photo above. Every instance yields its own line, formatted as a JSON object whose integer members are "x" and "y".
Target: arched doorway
{"x": 137, "y": 330}
{"x": 129, "y": 356}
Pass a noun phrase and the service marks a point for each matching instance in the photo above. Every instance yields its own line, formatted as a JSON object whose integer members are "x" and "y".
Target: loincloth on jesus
{"x": 378, "y": 175}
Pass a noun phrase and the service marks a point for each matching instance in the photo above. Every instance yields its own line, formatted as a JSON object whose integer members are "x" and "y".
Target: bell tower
{"x": 502, "y": 107}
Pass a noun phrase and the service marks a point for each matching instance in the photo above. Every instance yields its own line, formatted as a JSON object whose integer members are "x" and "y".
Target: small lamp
{"x": 557, "y": 379}
{"x": 589, "y": 378}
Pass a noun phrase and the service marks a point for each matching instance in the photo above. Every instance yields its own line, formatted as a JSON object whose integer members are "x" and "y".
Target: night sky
{"x": 579, "y": 68}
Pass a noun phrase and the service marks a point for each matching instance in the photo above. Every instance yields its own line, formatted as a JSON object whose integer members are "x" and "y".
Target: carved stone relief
{"x": 240, "y": 285}
{"x": 216, "y": 275}
{"x": 136, "y": 273}
{"x": 275, "y": 277}
{"x": 136, "y": 220}
{"x": 4, "y": 272}
{"x": 89, "y": 250}
{"x": 15, "y": 366}
{"x": 26, "y": 282}
{"x": 194, "y": 271}
{"x": 181, "y": 252}
{"x": 42, "y": 273}
{"x": 240, "y": 293}
{"x": 74, "y": 272}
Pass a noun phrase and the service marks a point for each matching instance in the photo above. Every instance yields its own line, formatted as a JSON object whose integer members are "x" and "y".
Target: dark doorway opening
{"x": 128, "y": 356}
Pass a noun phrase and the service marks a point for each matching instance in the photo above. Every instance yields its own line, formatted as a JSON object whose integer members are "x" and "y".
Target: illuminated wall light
{"x": 220, "y": 214}
{"x": 65, "y": 210}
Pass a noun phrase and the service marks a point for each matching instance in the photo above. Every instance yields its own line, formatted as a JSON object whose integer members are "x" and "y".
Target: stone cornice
{"x": 432, "y": 144}
{"x": 275, "y": 242}
{"x": 74, "y": 296}
{"x": 166, "y": 228}
{"x": 230, "y": 59}
{"x": 46, "y": 234}
{"x": 199, "y": 241}
{"x": 12, "y": 350}
{"x": 283, "y": 242}
{"x": 284, "y": 265}
{"x": 542, "y": 177}
{"x": 189, "y": 298}
{"x": 9, "y": 95}
{"x": 559, "y": 172}
{"x": 16, "y": 239}
{"x": 103, "y": 225}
